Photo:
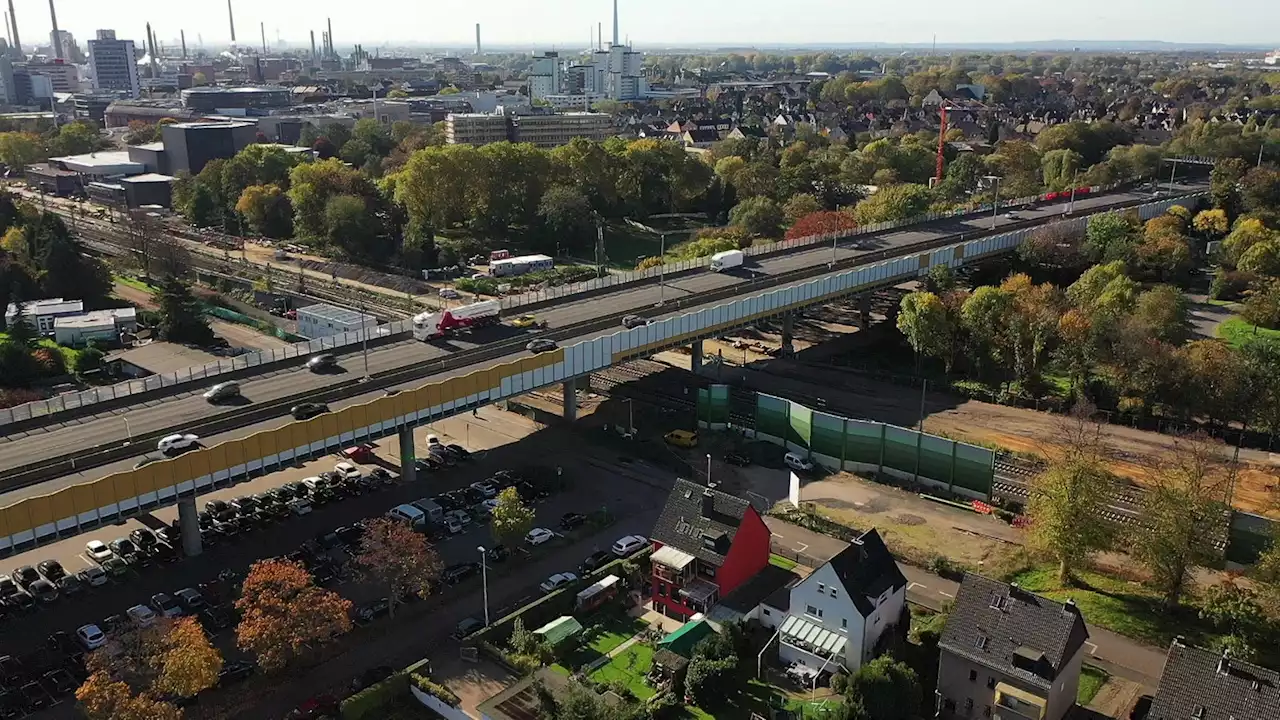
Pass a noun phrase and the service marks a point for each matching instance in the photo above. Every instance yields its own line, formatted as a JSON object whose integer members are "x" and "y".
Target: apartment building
{"x": 544, "y": 131}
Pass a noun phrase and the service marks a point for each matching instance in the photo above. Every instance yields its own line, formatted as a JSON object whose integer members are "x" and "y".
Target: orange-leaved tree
{"x": 102, "y": 698}
{"x": 283, "y": 614}
{"x": 188, "y": 662}
{"x": 821, "y": 223}
{"x": 399, "y": 559}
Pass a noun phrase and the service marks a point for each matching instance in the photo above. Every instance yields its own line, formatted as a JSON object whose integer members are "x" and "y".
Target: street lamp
{"x": 708, "y": 469}
{"x": 631, "y": 418}
{"x": 995, "y": 203}
{"x": 662, "y": 253}
{"x": 484, "y": 579}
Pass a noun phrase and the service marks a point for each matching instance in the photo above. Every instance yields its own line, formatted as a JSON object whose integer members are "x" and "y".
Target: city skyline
{"x": 510, "y": 24}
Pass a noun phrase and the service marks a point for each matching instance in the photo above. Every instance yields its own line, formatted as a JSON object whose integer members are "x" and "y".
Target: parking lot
{"x": 498, "y": 440}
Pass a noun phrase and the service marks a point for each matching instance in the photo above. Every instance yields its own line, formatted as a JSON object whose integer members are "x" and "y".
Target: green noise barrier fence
{"x": 861, "y": 445}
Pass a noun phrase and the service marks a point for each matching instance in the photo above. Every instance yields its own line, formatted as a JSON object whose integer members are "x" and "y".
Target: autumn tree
{"x": 143, "y": 666}
{"x": 102, "y": 698}
{"x": 1183, "y": 511}
{"x": 924, "y": 320}
{"x": 1069, "y": 497}
{"x": 511, "y": 518}
{"x": 1212, "y": 222}
{"x": 188, "y": 663}
{"x": 1033, "y": 322}
{"x": 821, "y": 223}
{"x": 267, "y": 210}
{"x": 398, "y": 559}
{"x": 283, "y": 614}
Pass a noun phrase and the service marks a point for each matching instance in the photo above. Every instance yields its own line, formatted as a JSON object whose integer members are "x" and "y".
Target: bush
{"x": 1230, "y": 284}
{"x": 89, "y": 359}
{"x": 524, "y": 664}
{"x": 942, "y": 566}
{"x": 435, "y": 690}
{"x": 649, "y": 262}
{"x": 368, "y": 703}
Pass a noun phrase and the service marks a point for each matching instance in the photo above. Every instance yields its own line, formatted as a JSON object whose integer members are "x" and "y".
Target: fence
{"x": 223, "y": 367}
{"x": 510, "y": 302}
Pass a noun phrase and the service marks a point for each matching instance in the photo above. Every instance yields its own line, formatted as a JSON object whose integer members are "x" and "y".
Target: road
{"x": 1116, "y": 654}
{"x": 175, "y": 412}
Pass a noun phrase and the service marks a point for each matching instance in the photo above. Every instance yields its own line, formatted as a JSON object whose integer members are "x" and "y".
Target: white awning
{"x": 671, "y": 557}
{"x": 813, "y": 638}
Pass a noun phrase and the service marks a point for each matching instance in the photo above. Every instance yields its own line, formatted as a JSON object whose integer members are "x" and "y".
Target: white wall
{"x": 838, "y": 613}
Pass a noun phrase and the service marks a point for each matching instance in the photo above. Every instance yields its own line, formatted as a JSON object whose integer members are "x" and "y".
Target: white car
{"x": 98, "y": 551}
{"x": 299, "y": 506}
{"x": 453, "y": 525}
{"x": 629, "y": 544}
{"x": 177, "y": 444}
{"x": 558, "y": 580}
{"x": 141, "y": 615}
{"x": 347, "y": 471}
{"x": 490, "y": 505}
{"x": 91, "y": 636}
{"x": 486, "y": 488}
{"x": 537, "y": 536}
{"x": 460, "y": 516}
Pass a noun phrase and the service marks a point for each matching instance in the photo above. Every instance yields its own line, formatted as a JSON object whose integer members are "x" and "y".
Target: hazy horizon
{"x": 749, "y": 23}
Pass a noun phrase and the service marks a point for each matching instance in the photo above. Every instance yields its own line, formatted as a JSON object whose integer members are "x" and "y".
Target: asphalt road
{"x": 177, "y": 411}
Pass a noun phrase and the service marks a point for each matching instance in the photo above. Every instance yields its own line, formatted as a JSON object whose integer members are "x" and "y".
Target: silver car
{"x": 223, "y": 391}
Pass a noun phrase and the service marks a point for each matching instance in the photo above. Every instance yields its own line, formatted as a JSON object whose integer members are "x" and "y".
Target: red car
{"x": 360, "y": 453}
{"x": 315, "y": 707}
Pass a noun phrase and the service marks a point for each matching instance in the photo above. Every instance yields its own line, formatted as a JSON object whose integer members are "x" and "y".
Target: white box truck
{"x": 726, "y": 260}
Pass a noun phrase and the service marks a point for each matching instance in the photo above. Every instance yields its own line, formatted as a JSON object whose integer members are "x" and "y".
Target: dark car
{"x": 20, "y": 602}
{"x": 43, "y": 590}
{"x": 738, "y": 459}
{"x": 171, "y": 535}
{"x": 371, "y": 677}
{"x": 375, "y": 609}
{"x": 445, "y": 502}
{"x": 306, "y": 411}
{"x": 8, "y": 586}
{"x": 70, "y": 585}
{"x": 24, "y": 576}
{"x": 324, "y": 361}
{"x": 466, "y": 627}
{"x": 161, "y": 552}
{"x": 235, "y": 671}
{"x": 571, "y": 520}
{"x": 295, "y": 489}
{"x": 215, "y": 618}
{"x": 51, "y": 570}
{"x": 541, "y": 345}
{"x": 245, "y": 504}
{"x": 350, "y": 534}
{"x": 143, "y": 538}
{"x": 455, "y": 574}
{"x": 382, "y": 475}
{"x": 498, "y": 553}
{"x": 634, "y": 321}
{"x": 324, "y": 705}
{"x": 595, "y": 561}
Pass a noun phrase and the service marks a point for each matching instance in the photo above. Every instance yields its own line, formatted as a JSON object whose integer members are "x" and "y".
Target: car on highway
{"x": 178, "y": 443}
{"x": 629, "y": 544}
{"x": 322, "y": 362}
{"x": 538, "y": 536}
{"x": 524, "y": 321}
{"x": 1013, "y": 215}
{"x": 141, "y": 615}
{"x": 634, "y": 321}
{"x": 558, "y": 580}
{"x": 222, "y": 392}
{"x": 347, "y": 471}
{"x": 91, "y": 636}
{"x": 541, "y": 345}
{"x": 306, "y": 411}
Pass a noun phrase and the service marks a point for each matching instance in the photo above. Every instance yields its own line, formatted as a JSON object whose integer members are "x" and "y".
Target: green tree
{"x": 77, "y": 138}
{"x": 1182, "y": 511}
{"x": 1162, "y": 312}
{"x": 1260, "y": 190}
{"x": 267, "y": 210}
{"x": 313, "y": 185}
{"x": 759, "y": 216}
{"x": 798, "y": 206}
{"x": 1247, "y": 232}
{"x": 1224, "y": 181}
{"x": 925, "y": 322}
{"x": 1060, "y": 168}
{"x": 985, "y": 317}
{"x": 886, "y": 689}
{"x": 19, "y": 149}
{"x": 895, "y": 202}
{"x": 511, "y": 519}
{"x": 1071, "y": 494}
{"x": 566, "y": 212}
{"x": 350, "y": 227}
{"x": 1262, "y": 308}
{"x": 181, "y": 315}
{"x": 1261, "y": 259}
{"x": 1109, "y": 237}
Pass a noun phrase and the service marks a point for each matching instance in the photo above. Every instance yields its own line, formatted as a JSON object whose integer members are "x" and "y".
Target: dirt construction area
{"x": 1133, "y": 451}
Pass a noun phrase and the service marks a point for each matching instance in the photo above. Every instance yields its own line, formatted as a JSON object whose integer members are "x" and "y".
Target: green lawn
{"x": 629, "y": 666}
{"x": 1092, "y": 678}
{"x": 69, "y": 355}
{"x": 1117, "y": 605}
{"x": 779, "y": 561}
{"x": 607, "y": 632}
{"x": 134, "y": 283}
{"x": 1238, "y": 331}
{"x": 625, "y": 245}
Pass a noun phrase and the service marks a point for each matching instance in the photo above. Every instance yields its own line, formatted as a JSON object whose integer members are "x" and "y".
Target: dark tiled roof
{"x": 1025, "y": 625}
{"x": 703, "y": 135}
{"x": 1196, "y": 678}
{"x": 867, "y": 569}
{"x": 683, "y": 526}
{"x": 764, "y": 586}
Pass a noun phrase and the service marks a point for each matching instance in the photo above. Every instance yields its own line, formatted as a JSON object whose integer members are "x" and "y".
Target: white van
{"x": 798, "y": 462}
{"x": 408, "y": 514}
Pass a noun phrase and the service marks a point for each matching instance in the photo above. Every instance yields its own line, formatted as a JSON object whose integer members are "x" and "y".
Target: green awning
{"x": 560, "y": 629}
{"x": 682, "y": 641}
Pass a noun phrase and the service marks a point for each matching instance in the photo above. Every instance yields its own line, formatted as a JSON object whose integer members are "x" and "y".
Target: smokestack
{"x": 182, "y": 34}
{"x": 231, "y": 18}
{"x": 332, "y": 52}
{"x": 599, "y": 36}
{"x": 13, "y": 23}
{"x": 313, "y": 48}
{"x": 55, "y": 35}
{"x": 262, "y": 28}
{"x": 8, "y": 37}
{"x": 477, "y": 38}
{"x": 615, "y": 22}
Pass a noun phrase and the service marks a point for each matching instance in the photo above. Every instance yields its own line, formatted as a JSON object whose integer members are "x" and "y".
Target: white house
{"x": 323, "y": 320}
{"x": 837, "y": 614}
{"x": 41, "y": 314}
{"x": 103, "y": 326}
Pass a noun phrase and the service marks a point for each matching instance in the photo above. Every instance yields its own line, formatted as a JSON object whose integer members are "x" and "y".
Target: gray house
{"x": 1009, "y": 654}
{"x": 837, "y": 615}
{"x": 1207, "y": 685}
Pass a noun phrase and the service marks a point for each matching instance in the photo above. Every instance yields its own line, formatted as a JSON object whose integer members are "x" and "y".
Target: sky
{"x": 568, "y": 24}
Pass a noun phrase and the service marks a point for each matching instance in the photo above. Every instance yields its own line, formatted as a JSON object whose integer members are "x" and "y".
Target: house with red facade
{"x": 706, "y": 544}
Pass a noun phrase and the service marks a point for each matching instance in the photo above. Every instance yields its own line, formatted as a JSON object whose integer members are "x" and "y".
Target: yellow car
{"x": 524, "y": 321}
{"x": 682, "y": 438}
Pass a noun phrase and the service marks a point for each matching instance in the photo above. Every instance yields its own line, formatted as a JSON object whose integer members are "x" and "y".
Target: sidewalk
{"x": 1114, "y": 653}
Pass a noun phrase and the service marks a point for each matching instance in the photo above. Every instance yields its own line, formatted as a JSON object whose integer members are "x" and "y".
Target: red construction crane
{"x": 942, "y": 142}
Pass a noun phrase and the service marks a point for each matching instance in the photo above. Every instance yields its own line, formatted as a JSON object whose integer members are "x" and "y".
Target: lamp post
{"x": 484, "y": 579}
{"x": 1075, "y": 180}
{"x": 662, "y": 253}
{"x": 708, "y": 469}
{"x": 995, "y": 204}
{"x": 631, "y": 418}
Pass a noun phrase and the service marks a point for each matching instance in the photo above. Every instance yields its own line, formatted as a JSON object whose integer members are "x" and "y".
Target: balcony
{"x": 1016, "y": 704}
{"x": 672, "y": 565}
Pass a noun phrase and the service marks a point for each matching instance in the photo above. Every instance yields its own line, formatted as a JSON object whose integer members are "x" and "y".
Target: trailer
{"x": 520, "y": 265}
{"x": 432, "y": 325}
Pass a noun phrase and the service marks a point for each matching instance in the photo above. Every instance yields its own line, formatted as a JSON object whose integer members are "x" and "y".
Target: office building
{"x": 8, "y": 84}
{"x": 219, "y": 99}
{"x": 545, "y": 131}
{"x": 544, "y": 76}
{"x": 190, "y": 146}
{"x": 62, "y": 77}
{"x": 114, "y": 66}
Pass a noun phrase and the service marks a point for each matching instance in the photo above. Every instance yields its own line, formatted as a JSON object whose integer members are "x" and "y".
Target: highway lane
{"x": 176, "y": 411}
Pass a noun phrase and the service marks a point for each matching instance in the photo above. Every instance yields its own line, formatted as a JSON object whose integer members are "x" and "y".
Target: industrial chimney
{"x": 55, "y": 36}
{"x": 332, "y": 51}
{"x": 262, "y": 28}
{"x": 313, "y": 48}
{"x": 231, "y": 18}
{"x": 477, "y": 38}
{"x": 13, "y": 23}
{"x": 182, "y": 34}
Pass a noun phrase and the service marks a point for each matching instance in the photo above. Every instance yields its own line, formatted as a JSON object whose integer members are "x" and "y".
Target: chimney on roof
{"x": 708, "y": 503}
{"x": 1224, "y": 662}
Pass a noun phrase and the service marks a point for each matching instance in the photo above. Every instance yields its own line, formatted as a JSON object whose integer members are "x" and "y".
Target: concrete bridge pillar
{"x": 189, "y": 526}
{"x": 570, "y": 392}
{"x": 788, "y": 323}
{"x": 408, "y": 455}
{"x": 695, "y": 357}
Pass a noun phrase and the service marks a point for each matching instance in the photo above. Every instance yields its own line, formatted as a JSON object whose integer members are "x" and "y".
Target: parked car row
{"x": 624, "y": 547}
